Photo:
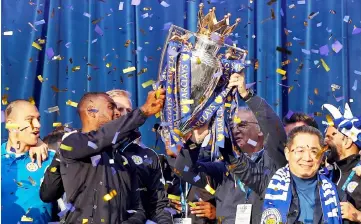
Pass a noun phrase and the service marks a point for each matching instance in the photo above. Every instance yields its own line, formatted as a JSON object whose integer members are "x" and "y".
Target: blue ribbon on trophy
{"x": 185, "y": 81}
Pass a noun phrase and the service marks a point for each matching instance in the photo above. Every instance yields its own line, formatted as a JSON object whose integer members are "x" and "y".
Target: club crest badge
{"x": 271, "y": 216}
{"x": 32, "y": 167}
{"x": 352, "y": 186}
{"x": 137, "y": 159}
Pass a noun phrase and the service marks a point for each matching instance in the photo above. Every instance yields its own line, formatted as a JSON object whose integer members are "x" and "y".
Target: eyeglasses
{"x": 242, "y": 125}
{"x": 301, "y": 150}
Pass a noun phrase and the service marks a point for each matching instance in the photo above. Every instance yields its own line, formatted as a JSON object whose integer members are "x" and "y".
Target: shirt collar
{"x": 12, "y": 155}
{"x": 256, "y": 155}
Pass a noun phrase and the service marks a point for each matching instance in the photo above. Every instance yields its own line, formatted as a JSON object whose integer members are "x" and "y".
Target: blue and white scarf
{"x": 278, "y": 198}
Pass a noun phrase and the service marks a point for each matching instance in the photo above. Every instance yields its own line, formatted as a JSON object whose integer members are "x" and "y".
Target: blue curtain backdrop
{"x": 302, "y": 27}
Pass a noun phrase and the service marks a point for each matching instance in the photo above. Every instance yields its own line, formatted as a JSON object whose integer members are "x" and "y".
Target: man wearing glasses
{"x": 258, "y": 128}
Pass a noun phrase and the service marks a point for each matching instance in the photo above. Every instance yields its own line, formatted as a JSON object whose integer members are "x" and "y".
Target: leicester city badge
{"x": 32, "y": 167}
{"x": 271, "y": 216}
{"x": 352, "y": 186}
{"x": 137, "y": 159}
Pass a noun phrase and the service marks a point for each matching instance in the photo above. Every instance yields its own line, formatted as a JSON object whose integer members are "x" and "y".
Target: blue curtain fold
{"x": 102, "y": 57}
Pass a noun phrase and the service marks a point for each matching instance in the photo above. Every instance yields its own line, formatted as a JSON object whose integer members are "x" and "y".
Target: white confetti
{"x": 346, "y": 19}
{"x": 354, "y": 87}
{"x": 150, "y": 28}
{"x": 291, "y": 6}
{"x": 306, "y": 51}
{"x": 357, "y": 72}
{"x": 95, "y": 40}
{"x": 121, "y": 5}
{"x": 40, "y": 22}
{"x": 92, "y": 145}
{"x": 8, "y": 33}
{"x": 301, "y": 2}
{"x": 314, "y": 51}
{"x": 164, "y": 4}
{"x": 145, "y": 15}
{"x": 319, "y": 24}
{"x": 251, "y": 142}
{"x": 87, "y": 14}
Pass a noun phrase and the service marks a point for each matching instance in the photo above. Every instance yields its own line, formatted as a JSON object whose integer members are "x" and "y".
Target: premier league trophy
{"x": 195, "y": 75}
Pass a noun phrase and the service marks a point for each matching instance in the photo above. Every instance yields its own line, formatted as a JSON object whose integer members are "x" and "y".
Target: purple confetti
{"x": 62, "y": 213}
{"x": 215, "y": 37}
{"x": 95, "y": 160}
{"x": 171, "y": 211}
{"x": 50, "y": 53}
{"x": 70, "y": 207}
{"x": 2, "y": 116}
{"x": 92, "y": 145}
{"x": 289, "y": 114}
{"x": 39, "y": 22}
{"x": 148, "y": 161}
{"x": 12, "y": 150}
{"x": 186, "y": 168}
{"x": 338, "y": 99}
{"x": 139, "y": 49}
{"x": 315, "y": 51}
{"x": 150, "y": 222}
{"x": 281, "y": 12}
{"x": 267, "y": 172}
{"x": 98, "y": 30}
{"x": 196, "y": 178}
{"x": 324, "y": 50}
{"x": 93, "y": 110}
{"x": 306, "y": 51}
{"x": 228, "y": 41}
{"x": 113, "y": 170}
{"x": 356, "y": 30}
{"x": 249, "y": 85}
{"x": 337, "y": 46}
{"x": 67, "y": 45}
{"x": 166, "y": 26}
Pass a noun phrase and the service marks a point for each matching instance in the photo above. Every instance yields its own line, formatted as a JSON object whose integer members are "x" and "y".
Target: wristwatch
{"x": 249, "y": 95}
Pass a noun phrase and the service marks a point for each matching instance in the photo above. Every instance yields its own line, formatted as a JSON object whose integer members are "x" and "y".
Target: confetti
{"x": 52, "y": 109}
{"x": 98, "y": 30}
{"x": 92, "y": 145}
{"x": 86, "y": 14}
{"x": 109, "y": 196}
{"x": 71, "y": 103}
{"x": 65, "y": 147}
{"x": 85, "y": 221}
{"x": 319, "y": 24}
{"x": 252, "y": 142}
{"x": 338, "y": 99}
{"x": 357, "y": 72}
{"x": 325, "y": 66}
{"x": 4, "y": 99}
{"x": 136, "y": 2}
{"x": 129, "y": 69}
{"x": 187, "y": 102}
{"x": 210, "y": 189}
{"x": 312, "y": 15}
{"x": 11, "y": 126}
{"x": 40, "y": 78}
{"x": 37, "y": 46}
{"x": 196, "y": 178}
{"x": 289, "y": 114}
{"x": 148, "y": 83}
{"x": 301, "y": 2}
{"x": 26, "y": 219}
{"x": 173, "y": 197}
{"x": 329, "y": 120}
{"x": 315, "y": 91}
{"x": 31, "y": 100}
{"x": 332, "y": 11}
{"x": 356, "y": 30}
{"x": 108, "y": 65}
{"x": 32, "y": 26}
{"x": 346, "y": 19}
{"x": 75, "y": 68}
{"x": 8, "y": 33}
{"x": 145, "y": 15}
{"x": 315, "y": 51}
{"x": 186, "y": 168}
{"x": 324, "y": 50}
{"x": 39, "y": 22}
{"x": 192, "y": 204}
{"x": 142, "y": 71}
{"x": 354, "y": 87}
{"x": 337, "y": 46}
{"x": 306, "y": 51}
{"x": 164, "y": 4}
{"x": 150, "y": 222}
{"x": 50, "y": 53}
{"x": 32, "y": 181}
{"x": 95, "y": 160}
{"x": 53, "y": 169}
{"x": 121, "y": 5}
{"x": 57, "y": 124}
{"x": 281, "y": 71}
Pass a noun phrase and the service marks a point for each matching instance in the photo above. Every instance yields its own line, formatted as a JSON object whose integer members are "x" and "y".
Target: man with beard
{"x": 98, "y": 179}
{"x": 20, "y": 176}
{"x": 343, "y": 136}
{"x": 151, "y": 188}
{"x": 258, "y": 122}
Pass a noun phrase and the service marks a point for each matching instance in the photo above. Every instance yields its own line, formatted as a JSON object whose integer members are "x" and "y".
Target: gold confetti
{"x": 173, "y": 197}
{"x": 53, "y": 169}
{"x": 109, "y": 196}
{"x": 299, "y": 68}
{"x": 237, "y": 120}
{"x": 32, "y": 181}
{"x": 198, "y": 60}
{"x": 192, "y": 204}
{"x": 187, "y": 102}
{"x": 147, "y": 83}
{"x": 26, "y": 219}
{"x": 290, "y": 89}
{"x": 316, "y": 91}
{"x": 108, "y": 65}
{"x": 286, "y": 62}
{"x": 157, "y": 115}
{"x": 129, "y": 69}
{"x": 71, "y": 103}
{"x": 76, "y": 68}
{"x": 288, "y": 44}
{"x": 227, "y": 105}
{"x": 4, "y": 99}
{"x": 281, "y": 71}
{"x": 18, "y": 183}
{"x": 85, "y": 221}
{"x": 37, "y": 46}
{"x": 320, "y": 153}
{"x": 144, "y": 70}
{"x": 11, "y": 126}
{"x": 65, "y": 147}
{"x": 318, "y": 114}
{"x": 40, "y": 78}
{"x": 329, "y": 120}
{"x": 31, "y": 100}
{"x": 325, "y": 66}
{"x": 127, "y": 43}
{"x": 57, "y": 124}
{"x": 210, "y": 189}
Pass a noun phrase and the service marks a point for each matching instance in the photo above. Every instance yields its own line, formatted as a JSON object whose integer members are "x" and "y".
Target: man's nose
{"x": 36, "y": 123}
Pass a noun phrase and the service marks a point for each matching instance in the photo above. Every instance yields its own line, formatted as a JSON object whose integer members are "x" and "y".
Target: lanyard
{"x": 242, "y": 187}
{"x": 349, "y": 178}
{"x": 184, "y": 196}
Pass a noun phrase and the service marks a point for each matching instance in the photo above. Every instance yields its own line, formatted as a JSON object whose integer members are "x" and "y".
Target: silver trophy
{"x": 195, "y": 71}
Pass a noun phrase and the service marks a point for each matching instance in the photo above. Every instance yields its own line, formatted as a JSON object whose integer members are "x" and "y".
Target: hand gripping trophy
{"x": 195, "y": 75}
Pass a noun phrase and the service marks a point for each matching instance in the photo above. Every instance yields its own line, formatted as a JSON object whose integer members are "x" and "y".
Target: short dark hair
{"x": 304, "y": 129}
{"x": 87, "y": 97}
{"x": 300, "y": 117}
{"x": 54, "y": 137}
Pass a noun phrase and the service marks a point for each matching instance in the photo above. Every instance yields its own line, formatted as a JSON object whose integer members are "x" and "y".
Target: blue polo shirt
{"x": 20, "y": 186}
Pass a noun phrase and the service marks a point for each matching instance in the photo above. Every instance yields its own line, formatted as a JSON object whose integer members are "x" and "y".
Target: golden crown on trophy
{"x": 208, "y": 24}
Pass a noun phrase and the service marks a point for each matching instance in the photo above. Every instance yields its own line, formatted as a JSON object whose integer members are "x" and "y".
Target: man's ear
{"x": 347, "y": 142}
{"x": 287, "y": 153}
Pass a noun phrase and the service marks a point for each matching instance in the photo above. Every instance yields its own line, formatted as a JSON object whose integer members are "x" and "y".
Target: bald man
{"x": 98, "y": 179}
{"x": 21, "y": 177}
